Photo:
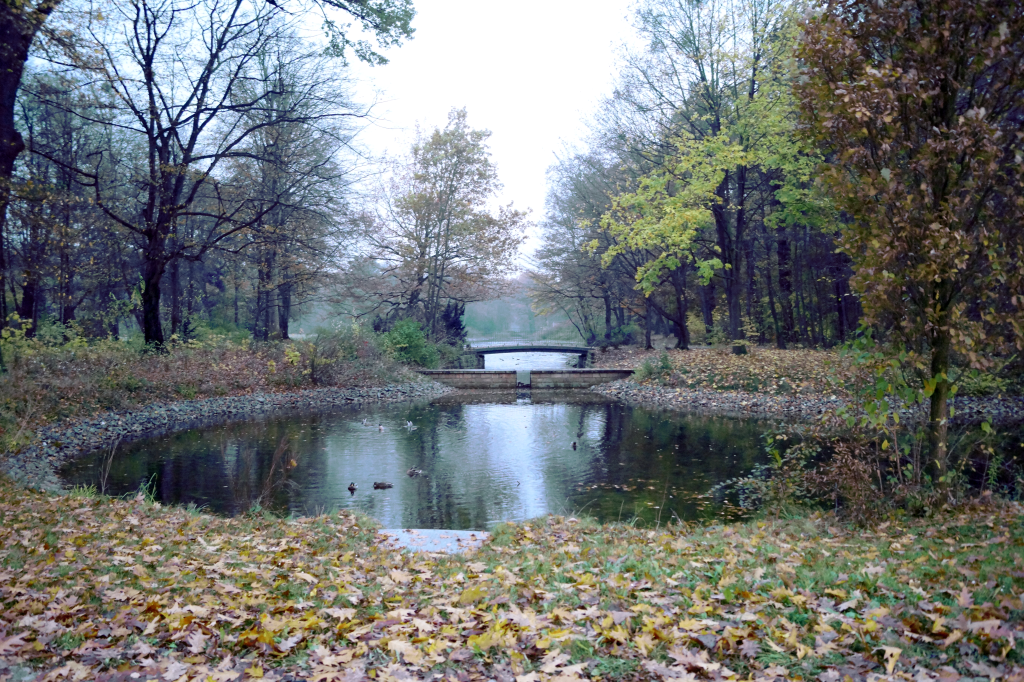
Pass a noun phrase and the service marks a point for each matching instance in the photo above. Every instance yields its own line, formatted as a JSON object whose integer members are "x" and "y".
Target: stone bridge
{"x": 537, "y": 378}
{"x": 473, "y": 358}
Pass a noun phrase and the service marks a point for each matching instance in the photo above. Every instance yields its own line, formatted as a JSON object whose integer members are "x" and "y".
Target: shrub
{"x": 975, "y": 383}
{"x": 645, "y": 371}
{"x": 623, "y": 336}
{"x": 782, "y": 483}
{"x": 406, "y": 343}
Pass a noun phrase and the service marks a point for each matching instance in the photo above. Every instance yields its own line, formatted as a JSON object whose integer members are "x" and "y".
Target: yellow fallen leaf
{"x": 301, "y": 575}
{"x": 953, "y": 638}
{"x": 409, "y": 652}
{"x": 472, "y": 595}
{"x": 892, "y": 654}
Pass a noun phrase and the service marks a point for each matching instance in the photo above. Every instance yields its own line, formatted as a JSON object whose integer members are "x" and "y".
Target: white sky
{"x": 531, "y": 72}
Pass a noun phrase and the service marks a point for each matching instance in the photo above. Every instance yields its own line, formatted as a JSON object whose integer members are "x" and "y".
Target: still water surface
{"x": 485, "y": 458}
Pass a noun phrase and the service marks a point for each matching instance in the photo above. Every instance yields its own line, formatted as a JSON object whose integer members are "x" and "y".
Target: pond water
{"x": 485, "y": 458}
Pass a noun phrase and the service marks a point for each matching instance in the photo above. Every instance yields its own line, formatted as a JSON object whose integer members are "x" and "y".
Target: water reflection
{"x": 485, "y": 458}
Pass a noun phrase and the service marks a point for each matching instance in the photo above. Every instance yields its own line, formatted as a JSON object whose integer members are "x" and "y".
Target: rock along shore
{"x": 999, "y": 411}
{"x": 36, "y": 466}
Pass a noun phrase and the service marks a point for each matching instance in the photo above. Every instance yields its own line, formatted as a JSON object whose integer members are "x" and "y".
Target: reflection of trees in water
{"x": 472, "y": 455}
{"x": 441, "y": 504}
{"x": 669, "y": 459}
{"x": 257, "y": 481}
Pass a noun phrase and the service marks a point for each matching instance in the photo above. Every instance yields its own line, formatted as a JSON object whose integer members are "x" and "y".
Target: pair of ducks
{"x": 377, "y": 485}
{"x": 383, "y": 485}
{"x": 380, "y": 427}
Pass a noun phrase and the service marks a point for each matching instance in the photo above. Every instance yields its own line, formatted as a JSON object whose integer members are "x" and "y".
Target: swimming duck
{"x": 574, "y": 445}
{"x": 410, "y": 426}
{"x": 382, "y": 485}
{"x": 414, "y": 472}
{"x": 380, "y": 427}
{"x": 352, "y": 487}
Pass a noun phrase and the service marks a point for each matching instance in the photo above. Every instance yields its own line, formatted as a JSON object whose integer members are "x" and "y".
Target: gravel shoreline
{"x": 36, "y": 466}
{"x": 1000, "y": 411}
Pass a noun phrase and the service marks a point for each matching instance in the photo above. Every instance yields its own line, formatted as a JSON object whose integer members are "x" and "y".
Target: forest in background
{"x": 194, "y": 166}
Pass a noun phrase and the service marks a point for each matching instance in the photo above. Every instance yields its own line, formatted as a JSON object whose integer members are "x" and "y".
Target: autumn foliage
{"x": 919, "y": 105}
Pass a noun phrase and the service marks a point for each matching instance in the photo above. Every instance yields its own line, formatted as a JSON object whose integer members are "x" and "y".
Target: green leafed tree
{"x": 920, "y": 102}
{"x": 716, "y": 79}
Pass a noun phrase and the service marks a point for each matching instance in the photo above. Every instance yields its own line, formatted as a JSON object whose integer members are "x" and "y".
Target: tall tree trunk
{"x": 607, "y": 315}
{"x": 938, "y": 418}
{"x": 727, "y": 248}
{"x": 152, "y": 272}
{"x": 175, "y": 297}
{"x": 18, "y": 27}
{"x": 31, "y": 302}
{"x": 286, "y": 307}
{"x": 840, "y": 313}
{"x": 780, "y": 342}
{"x": 785, "y": 255}
{"x": 707, "y": 306}
{"x": 679, "y": 285}
{"x": 648, "y": 321}
{"x": 14, "y": 47}
{"x": 66, "y": 285}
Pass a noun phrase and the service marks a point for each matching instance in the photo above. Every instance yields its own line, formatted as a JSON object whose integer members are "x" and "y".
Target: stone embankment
{"x": 36, "y": 466}
{"x": 999, "y": 411}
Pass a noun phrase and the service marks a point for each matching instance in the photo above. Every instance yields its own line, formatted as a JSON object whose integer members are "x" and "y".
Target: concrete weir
{"x": 537, "y": 378}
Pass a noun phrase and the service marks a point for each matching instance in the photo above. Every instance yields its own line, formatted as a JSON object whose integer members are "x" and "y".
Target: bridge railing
{"x": 559, "y": 337}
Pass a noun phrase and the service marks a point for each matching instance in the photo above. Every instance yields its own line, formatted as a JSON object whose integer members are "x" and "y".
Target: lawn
{"x": 100, "y": 588}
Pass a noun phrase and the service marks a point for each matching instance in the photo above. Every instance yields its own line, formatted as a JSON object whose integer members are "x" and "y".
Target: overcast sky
{"x": 530, "y": 71}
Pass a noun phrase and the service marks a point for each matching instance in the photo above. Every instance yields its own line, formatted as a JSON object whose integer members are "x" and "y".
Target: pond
{"x": 484, "y": 457}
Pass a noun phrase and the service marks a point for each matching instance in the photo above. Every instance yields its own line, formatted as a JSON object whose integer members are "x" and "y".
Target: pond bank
{"x": 1000, "y": 411}
{"x": 36, "y": 466}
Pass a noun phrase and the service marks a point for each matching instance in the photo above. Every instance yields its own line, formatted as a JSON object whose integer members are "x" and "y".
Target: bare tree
{"x": 21, "y": 22}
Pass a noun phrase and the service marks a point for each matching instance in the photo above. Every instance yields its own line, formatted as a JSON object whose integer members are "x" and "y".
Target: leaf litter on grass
{"x": 760, "y": 370}
{"x": 106, "y": 589}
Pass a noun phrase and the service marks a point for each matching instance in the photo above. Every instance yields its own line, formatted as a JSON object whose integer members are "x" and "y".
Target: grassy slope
{"x": 761, "y": 370}
{"x": 46, "y": 384}
{"x": 97, "y": 587}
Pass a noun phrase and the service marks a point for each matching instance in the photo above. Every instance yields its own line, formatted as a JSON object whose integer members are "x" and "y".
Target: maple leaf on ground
{"x": 174, "y": 670}
{"x": 750, "y": 648}
{"x": 321, "y": 674}
{"x": 984, "y": 669}
{"x": 196, "y": 641}
{"x": 11, "y": 644}
{"x": 553, "y": 661}
{"x": 394, "y": 671}
{"x": 408, "y": 651}
{"x": 666, "y": 673}
{"x": 289, "y": 643}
